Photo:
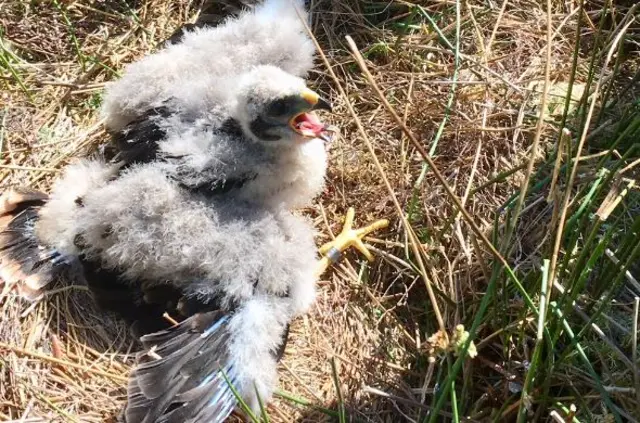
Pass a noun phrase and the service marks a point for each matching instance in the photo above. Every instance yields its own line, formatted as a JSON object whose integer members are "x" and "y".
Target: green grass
{"x": 72, "y": 34}
{"x": 586, "y": 274}
{"x": 8, "y": 62}
{"x": 593, "y": 210}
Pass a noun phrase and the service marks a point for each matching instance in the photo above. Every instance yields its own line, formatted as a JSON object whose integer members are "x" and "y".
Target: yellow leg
{"x": 349, "y": 237}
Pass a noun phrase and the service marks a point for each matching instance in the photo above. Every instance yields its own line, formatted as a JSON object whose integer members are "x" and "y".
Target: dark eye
{"x": 278, "y": 108}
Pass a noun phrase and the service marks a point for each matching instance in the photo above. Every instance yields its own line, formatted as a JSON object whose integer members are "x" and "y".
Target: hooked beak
{"x": 316, "y": 102}
{"x": 323, "y": 104}
{"x": 307, "y": 124}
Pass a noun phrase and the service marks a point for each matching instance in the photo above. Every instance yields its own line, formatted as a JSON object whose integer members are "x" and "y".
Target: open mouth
{"x": 308, "y": 125}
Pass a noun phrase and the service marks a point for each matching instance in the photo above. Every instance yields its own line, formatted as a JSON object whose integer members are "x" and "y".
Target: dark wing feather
{"x": 127, "y": 300}
{"x": 222, "y": 187}
{"x": 24, "y": 262}
{"x": 138, "y": 141}
{"x": 181, "y": 375}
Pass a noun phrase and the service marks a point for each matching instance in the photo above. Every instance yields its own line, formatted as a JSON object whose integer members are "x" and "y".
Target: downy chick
{"x": 215, "y": 142}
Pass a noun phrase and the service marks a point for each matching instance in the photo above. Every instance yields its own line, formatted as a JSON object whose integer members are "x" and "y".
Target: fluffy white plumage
{"x": 146, "y": 226}
{"x": 202, "y": 70}
{"x": 202, "y": 203}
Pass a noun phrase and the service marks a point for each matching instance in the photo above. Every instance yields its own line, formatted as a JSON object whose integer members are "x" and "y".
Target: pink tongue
{"x": 311, "y": 123}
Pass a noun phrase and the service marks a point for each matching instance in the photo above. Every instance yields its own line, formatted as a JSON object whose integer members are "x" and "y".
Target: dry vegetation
{"x": 473, "y": 103}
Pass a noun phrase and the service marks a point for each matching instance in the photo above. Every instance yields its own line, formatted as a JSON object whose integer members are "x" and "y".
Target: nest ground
{"x": 362, "y": 346}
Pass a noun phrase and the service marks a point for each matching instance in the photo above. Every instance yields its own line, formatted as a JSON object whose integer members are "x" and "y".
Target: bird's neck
{"x": 290, "y": 177}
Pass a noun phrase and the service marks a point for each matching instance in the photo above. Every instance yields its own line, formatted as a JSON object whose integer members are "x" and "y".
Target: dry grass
{"x": 59, "y": 361}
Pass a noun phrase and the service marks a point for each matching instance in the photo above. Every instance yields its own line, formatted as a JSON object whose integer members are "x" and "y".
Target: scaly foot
{"x": 350, "y": 237}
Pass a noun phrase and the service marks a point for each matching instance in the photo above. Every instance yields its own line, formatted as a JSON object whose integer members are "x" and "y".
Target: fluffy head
{"x": 276, "y": 108}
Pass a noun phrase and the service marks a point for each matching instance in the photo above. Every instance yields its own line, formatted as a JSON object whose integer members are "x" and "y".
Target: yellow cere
{"x": 310, "y": 96}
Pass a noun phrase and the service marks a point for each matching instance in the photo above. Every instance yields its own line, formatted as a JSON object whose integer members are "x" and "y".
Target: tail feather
{"x": 182, "y": 377}
{"x": 25, "y": 264}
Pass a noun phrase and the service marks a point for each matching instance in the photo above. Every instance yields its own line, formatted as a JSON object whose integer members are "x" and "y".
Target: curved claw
{"x": 350, "y": 237}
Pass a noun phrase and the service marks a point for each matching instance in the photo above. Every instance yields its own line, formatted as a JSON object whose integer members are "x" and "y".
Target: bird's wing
{"x": 195, "y": 371}
{"x": 184, "y": 374}
{"x": 24, "y": 262}
{"x": 143, "y": 310}
{"x": 138, "y": 141}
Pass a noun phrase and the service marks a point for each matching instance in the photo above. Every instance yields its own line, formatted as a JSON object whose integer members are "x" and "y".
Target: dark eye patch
{"x": 278, "y": 107}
